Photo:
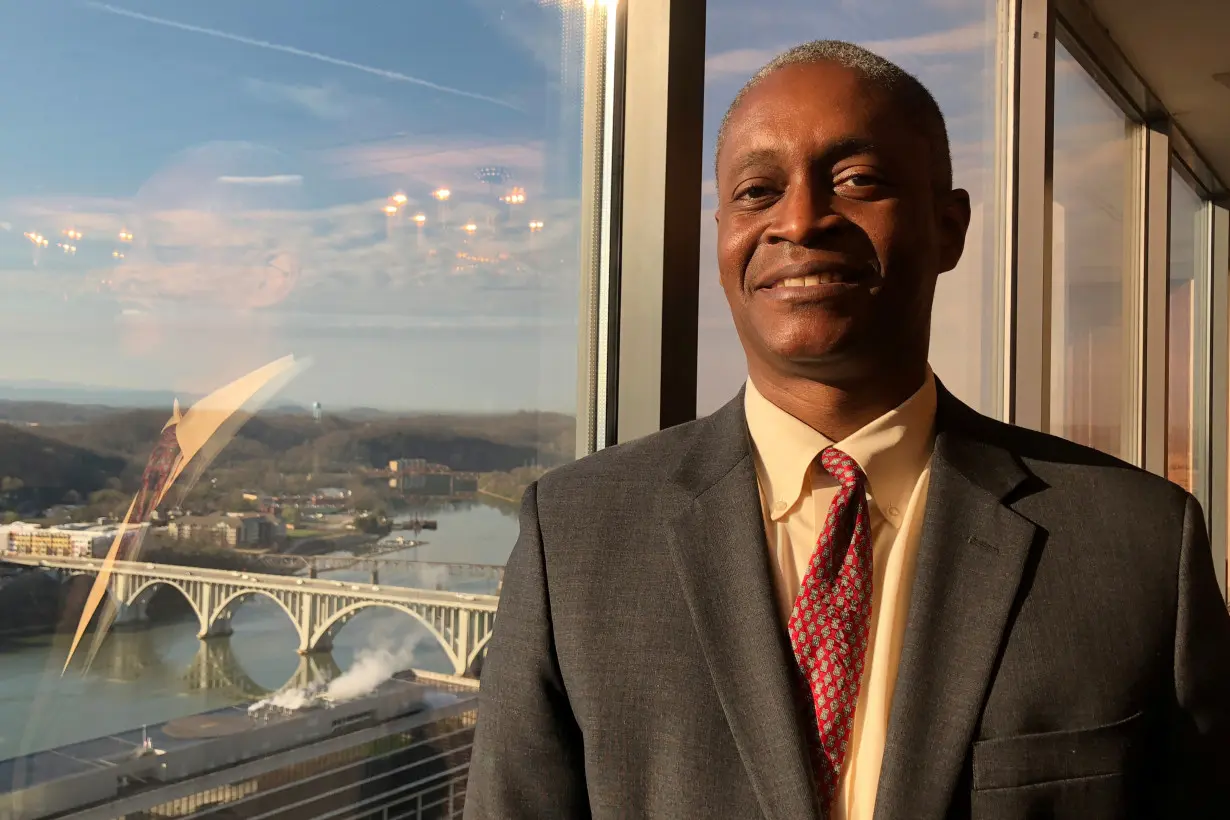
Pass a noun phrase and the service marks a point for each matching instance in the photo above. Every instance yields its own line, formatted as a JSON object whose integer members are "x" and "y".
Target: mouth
{"x": 818, "y": 280}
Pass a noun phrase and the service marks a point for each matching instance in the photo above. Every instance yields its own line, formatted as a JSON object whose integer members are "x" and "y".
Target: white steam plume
{"x": 372, "y": 666}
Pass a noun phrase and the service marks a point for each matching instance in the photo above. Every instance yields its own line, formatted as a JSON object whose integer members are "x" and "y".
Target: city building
{"x": 404, "y": 747}
{"x": 417, "y": 476}
{"x": 65, "y": 541}
{"x": 229, "y": 529}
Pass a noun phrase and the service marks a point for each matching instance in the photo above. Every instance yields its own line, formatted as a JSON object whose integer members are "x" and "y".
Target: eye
{"x": 754, "y": 191}
{"x": 858, "y": 180}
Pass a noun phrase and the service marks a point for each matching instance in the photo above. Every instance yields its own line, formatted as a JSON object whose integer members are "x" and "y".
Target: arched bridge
{"x": 317, "y": 607}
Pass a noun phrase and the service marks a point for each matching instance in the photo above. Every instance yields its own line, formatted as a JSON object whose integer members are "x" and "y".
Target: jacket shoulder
{"x": 1065, "y": 464}
{"x": 645, "y": 461}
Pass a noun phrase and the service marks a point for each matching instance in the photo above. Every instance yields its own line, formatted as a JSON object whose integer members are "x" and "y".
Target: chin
{"x": 841, "y": 357}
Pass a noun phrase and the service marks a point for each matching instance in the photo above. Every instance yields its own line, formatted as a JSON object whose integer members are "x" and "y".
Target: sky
{"x": 227, "y": 165}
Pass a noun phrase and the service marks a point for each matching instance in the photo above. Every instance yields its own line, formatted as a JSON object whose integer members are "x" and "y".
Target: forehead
{"x": 811, "y": 106}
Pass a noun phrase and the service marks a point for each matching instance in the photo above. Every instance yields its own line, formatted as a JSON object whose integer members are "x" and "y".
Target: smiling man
{"x": 846, "y": 594}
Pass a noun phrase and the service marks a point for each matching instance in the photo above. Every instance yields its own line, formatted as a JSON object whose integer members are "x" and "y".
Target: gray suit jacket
{"x": 1067, "y": 652}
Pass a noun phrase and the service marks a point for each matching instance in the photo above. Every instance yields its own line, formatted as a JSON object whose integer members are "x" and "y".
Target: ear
{"x": 952, "y": 214}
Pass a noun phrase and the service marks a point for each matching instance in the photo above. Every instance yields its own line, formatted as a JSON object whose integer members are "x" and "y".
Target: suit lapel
{"x": 974, "y": 550}
{"x": 720, "y": 552}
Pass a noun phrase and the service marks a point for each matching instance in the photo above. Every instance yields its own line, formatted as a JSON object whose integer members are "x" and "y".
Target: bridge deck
{"x": 386, "y": 593}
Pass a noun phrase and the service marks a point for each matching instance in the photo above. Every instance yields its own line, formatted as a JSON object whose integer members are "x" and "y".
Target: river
{"x": 154, "y": 673}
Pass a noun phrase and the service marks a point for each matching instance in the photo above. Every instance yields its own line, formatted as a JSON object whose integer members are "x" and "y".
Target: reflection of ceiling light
{"x": 515, "y": 197}
{"x": 470, "y": 227}
{"x": 442, "y": 194}
{"x": 1223, "y": 78}
{"x": 536, "y": 225}
{"x": 125, "y": 236}
{"x": 390, "y": 209}
{"x": 420, "y": 218}
{"x": 72, "y": 234}
{"x": 116, "y": 255}
{"x": 398, "y": 199}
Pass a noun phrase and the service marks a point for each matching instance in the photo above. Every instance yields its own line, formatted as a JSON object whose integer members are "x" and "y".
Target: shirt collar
{"x": 893, "y": 450}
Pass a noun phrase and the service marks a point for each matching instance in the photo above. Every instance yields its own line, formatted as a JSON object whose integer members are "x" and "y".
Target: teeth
{"x": 811, "y": 281}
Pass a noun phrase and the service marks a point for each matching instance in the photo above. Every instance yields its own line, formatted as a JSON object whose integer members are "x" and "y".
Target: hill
{"x": 296, "y": 443}
{"x": 48, "y": 412}
{"x": 38, "y": 470}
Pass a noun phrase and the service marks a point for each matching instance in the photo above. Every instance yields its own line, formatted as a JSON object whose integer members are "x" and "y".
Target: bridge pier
{"x": 375, "y": 576}
{"x": 219, "y": 628}
{"x": 133, "y": 613}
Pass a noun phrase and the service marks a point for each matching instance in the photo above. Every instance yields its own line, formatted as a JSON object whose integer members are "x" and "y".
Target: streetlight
{"x": 442, "y": 194}
{"x": 470, "y": 228}
{"x": 420, "y": 219}
{"x": 125, "y": 236}
{"x": 536, "y": 225}
{"x": 399, "y": 199}
{"x": 390, "y": 209}
{"x": 515, "y": 197}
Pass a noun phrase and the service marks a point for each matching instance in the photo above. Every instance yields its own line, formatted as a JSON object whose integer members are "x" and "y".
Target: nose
{"x": 804, "y": 214}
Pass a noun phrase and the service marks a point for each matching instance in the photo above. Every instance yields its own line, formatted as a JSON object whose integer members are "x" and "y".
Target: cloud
{"x": 327, "y": 102}
{"x": 743, "y": 62}
{"x": 431, "y": 164}
{"x": 274, "y": 179}
{"x": 298, "y": 52}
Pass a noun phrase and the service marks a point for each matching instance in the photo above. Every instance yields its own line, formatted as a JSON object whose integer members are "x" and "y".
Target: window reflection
{"x": 1187, "y": 340}
{"x": 953, "y": 50}
{"x": 390, "y": 192}
{"x": 1094, "y": 263}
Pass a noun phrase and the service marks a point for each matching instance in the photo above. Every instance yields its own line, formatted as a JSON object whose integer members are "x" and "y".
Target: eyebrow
{"x": 771, "y": 156}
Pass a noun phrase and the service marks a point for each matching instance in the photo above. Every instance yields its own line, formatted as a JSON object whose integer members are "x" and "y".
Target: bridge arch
{"x": 144, "y": 591}
{"x": 77, "y": 593}
{"x": 479, "y": 649}
{"x": 322, "y": 638}
{"x": 221, "y": 614}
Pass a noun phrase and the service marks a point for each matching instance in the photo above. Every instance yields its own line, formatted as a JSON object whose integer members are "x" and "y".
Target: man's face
{"x": 832, "y": 227}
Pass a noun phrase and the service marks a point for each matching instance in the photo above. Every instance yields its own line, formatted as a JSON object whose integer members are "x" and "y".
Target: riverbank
{"x": 499, "y": 497}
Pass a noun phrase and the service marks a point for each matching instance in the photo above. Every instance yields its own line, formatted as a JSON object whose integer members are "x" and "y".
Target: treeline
{"x": 95, "y": 460}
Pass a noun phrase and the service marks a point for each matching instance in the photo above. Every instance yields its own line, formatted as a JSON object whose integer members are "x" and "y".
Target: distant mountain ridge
{"x": 54, "y": 447}
{"x": 35, "y": 390}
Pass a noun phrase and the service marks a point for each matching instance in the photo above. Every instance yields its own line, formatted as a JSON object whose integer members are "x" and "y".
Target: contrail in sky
{"x": 298, "y": 52}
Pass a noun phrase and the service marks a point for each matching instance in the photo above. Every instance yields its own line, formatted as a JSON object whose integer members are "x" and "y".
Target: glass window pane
{"x": 1094, "y": 264}
{"x": 952, "y": 49}
{"x": 302, "y": 279}
{"x": 1187, "y": 340}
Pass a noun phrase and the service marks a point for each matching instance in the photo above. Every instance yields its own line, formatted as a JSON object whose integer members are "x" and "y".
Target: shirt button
{"x": 894, "y": 512}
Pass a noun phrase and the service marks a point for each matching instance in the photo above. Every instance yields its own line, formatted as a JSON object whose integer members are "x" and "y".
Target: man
{"x": 846, "y": 594}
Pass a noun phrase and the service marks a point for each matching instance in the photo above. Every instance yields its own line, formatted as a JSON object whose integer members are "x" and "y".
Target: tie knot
{"x": 841, "y": 467}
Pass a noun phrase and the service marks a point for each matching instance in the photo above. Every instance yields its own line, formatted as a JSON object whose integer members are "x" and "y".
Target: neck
{"x": 836, "y": 411}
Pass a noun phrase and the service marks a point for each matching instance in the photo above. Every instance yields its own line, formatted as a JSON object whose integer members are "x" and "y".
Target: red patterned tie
{"x": 829, "y": 622}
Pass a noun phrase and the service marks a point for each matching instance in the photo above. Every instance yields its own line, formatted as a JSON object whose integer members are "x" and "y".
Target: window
{"x": 1187, "y": 383}
{"x": 953, "y": 49}
{"x": 346, "y": 238}
{"x": 1095, "y": 265}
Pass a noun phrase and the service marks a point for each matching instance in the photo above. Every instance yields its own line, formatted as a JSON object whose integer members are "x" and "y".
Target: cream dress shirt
{"x": 795, "y": 492}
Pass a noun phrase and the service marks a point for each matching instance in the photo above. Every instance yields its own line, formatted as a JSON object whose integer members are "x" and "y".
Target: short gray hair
{"x": 915, "y": 100}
